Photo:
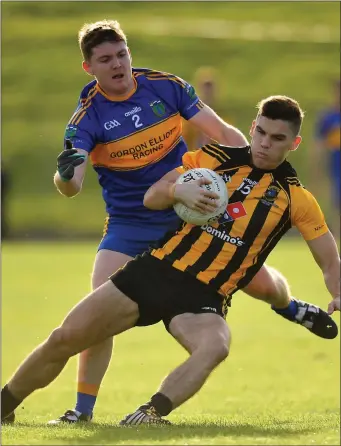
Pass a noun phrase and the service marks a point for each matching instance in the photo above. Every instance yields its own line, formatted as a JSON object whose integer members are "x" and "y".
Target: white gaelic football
{"x": 217, "y": 185}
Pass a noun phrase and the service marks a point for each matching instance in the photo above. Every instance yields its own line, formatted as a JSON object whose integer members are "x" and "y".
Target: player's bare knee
{"x": 223, "y": 342}
{"x": 214, "y": 355}
{"x": 278, "y": 289}
{"x": 269, "y": 285}
{"x": 215, "y": 349}
{"x": 220, "y": 352}
{"x": 61, "y": 343}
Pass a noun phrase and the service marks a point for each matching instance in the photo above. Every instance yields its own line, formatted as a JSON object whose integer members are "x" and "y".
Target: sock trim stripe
{"x": 88, "y": 389}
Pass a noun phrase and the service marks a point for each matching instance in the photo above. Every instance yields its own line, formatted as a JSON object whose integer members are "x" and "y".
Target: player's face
{"x": 110, "y": 63}
{"x": 271, "y": 142}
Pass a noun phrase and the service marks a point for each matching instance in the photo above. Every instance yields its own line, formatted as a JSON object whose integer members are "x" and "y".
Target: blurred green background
{"x": 259, "y": 49}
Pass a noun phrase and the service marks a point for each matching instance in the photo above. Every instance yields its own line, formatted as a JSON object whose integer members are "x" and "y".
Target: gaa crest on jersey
{"x": 191, "y": 91}
{"x": 270, "y": 196}
{"x": 158, "y": 108}
{"x": 70, "y": 131}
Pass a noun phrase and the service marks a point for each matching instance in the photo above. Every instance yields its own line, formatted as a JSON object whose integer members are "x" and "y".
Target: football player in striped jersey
{"x": 188, "y": 280}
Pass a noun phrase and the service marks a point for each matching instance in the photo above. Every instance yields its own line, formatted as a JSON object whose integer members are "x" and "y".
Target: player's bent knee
{"x": 280, "y": 281}
{"x": 221, "y": 352}
{"x": 267, "y": 285}
{"x": 63, "y": 343}
{"x": 216, "y": 354}
{"x": 215, "y": 350}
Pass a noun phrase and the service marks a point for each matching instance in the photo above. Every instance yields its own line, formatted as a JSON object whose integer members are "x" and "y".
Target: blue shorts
{"x": 133, "y": 238}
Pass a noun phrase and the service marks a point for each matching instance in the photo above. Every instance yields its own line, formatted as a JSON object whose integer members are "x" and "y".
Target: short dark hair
{"x": 284, "y": 108}
{"x": 93, "y": 34}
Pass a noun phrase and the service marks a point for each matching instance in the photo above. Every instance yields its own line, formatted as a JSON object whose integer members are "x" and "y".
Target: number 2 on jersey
{"x": 136, "y": 120}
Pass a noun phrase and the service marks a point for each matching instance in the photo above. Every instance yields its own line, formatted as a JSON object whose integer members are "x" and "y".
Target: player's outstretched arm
{"x": 208, "y": 122}
{"x": 326, "y": 255}
{"x": 165, "y": 193}
{"x": 71, "y": 165}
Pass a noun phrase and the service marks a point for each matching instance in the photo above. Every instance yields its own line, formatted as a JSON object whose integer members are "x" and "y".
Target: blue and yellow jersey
{"x": 328, "y": 129}
{"x": 134, "y": 141}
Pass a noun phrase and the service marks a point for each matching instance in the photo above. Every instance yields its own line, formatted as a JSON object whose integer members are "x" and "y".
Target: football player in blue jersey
{"x": 128, "y": 123}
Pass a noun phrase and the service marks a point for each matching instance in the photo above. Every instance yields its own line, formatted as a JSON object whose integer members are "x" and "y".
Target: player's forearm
{"x": 332, "y": 278}
{"x": 160, "y": 195}
{"x": 231, "y": 136}
{"x": 67, "y": 188}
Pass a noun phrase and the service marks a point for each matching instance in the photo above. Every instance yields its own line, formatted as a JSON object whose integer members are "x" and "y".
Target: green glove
{"x": 67, "y": 160}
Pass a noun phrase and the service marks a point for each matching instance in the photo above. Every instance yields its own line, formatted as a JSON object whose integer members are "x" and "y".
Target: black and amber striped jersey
{"x": 263, "y": 206}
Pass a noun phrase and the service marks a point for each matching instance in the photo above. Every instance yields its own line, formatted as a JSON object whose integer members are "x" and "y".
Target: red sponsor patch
{"x": 236, "y": 210}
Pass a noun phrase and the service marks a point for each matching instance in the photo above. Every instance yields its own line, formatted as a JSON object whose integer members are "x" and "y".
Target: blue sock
{"x": 290, "y": 310}
{"x": 85, "y": 403}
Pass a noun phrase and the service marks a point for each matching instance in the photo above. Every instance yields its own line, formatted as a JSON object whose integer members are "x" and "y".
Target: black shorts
{"x": 162, "y": 292}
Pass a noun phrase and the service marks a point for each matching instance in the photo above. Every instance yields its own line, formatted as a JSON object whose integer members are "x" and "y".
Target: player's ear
{"x": 296, "y": 143}
{"x": 252, "y": 129}
{"x": 130, "y": 56}
{"x": 87, "y": 68}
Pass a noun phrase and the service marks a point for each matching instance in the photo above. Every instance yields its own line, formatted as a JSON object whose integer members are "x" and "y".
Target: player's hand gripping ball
{"x": 216, "y": 185}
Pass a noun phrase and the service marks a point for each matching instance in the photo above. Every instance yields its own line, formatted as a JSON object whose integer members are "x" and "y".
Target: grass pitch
{"x": 280, "y": 384}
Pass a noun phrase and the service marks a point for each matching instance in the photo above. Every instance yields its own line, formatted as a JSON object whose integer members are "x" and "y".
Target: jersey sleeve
{"x": 189, "y": 103}
{"x": 306, "y": 213}
{"x": 81, "y": 129}
{"x": 206, "y": 156}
